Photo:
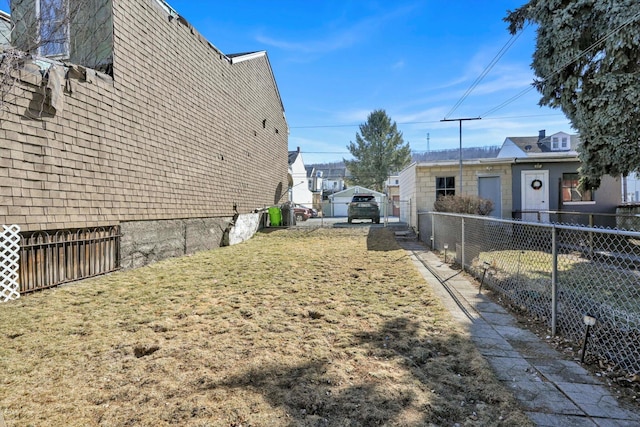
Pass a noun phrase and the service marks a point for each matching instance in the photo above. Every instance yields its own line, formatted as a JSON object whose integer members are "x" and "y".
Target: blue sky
{"x": 336, "y": 61}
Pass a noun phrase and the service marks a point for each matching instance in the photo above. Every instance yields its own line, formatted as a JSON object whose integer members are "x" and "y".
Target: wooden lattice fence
{"x": 9, "y": 257}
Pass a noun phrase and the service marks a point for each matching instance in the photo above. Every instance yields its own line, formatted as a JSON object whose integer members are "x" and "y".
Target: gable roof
{"x": 356, "y": 189}
{"x": 334, "y": 173}
{"x": 537, "y": 146}
{"x": 293, "y": 155}
{"x": 531, "y": 144}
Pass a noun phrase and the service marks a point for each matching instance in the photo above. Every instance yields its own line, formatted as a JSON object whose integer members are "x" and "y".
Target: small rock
{"x": 141, "y": 351}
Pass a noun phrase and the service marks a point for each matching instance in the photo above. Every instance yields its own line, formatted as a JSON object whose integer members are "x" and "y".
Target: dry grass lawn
{"x": 326, "y": 327}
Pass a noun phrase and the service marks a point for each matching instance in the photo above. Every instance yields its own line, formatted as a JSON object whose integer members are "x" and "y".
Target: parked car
{"x": 364, "y": 206}
{"x": 302, "y": 213}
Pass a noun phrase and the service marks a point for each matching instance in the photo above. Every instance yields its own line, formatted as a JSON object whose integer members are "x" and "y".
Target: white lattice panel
{"x": 9, "y": 256}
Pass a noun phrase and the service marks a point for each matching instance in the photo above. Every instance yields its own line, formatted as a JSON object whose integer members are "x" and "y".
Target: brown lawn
{"x": 326, "y": 327}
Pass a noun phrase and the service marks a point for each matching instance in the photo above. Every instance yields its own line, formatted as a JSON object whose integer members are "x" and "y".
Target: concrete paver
{"x": 553, "y": 391}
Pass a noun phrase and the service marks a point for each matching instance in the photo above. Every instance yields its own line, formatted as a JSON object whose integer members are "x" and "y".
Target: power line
{"x": 486, "y": 70}
{"x": 508, "y": 101}
{"x": 426, "y": 122}
{"x": 565, "y": 65}
{"x": 460, "y": 120}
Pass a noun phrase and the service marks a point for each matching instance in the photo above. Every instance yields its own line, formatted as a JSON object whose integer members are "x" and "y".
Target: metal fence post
{"x": 591, "y": 223}
{"x": 554, "y": 280}
{"x": 462, "y": 247}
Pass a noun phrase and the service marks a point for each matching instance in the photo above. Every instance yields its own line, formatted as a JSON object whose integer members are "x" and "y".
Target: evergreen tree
{"x": 587, "y": 62}
{"x": 379, "y": 150}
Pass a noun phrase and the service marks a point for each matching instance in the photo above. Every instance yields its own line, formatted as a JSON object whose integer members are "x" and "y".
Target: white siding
{"x": 300, "y": 192}
{"x": 408, "y": 195}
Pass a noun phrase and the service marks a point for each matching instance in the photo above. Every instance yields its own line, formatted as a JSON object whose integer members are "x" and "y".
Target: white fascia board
{"x": 248, "y": 56}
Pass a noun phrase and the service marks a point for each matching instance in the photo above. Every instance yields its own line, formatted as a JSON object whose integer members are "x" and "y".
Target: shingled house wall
{"x": 170, "y": 148}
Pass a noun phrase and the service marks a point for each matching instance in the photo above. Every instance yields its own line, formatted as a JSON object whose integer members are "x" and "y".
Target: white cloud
{"x": 338, "y": 39}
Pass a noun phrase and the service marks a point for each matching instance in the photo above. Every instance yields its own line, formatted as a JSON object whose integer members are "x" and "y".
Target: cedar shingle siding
{"x": 176, "y": 134}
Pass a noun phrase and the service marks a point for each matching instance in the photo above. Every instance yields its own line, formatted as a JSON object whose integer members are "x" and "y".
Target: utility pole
{"x": 428, "y": 150}
{"x": 460, "y": 121}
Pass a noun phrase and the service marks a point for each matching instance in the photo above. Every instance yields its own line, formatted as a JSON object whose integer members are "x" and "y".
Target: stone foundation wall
{"x": 144, "y": 242}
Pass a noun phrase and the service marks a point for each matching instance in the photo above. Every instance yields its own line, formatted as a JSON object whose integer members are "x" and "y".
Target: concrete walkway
{"x": 552, "y": 391}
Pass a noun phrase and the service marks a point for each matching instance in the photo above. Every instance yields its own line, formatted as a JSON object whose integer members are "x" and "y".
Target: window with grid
{"x": 445, "y": 186}
{"x": 571, "y": 191}
{"x": 53, "y": 24}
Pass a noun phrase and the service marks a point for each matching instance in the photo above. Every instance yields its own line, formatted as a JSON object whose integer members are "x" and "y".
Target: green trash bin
{"x": 275, "y": 216}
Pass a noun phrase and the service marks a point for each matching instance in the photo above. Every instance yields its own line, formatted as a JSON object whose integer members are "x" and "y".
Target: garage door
{"x": 340, "y": 206}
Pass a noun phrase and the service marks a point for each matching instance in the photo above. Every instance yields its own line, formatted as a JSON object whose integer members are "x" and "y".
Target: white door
{"x": 535, "y": 195}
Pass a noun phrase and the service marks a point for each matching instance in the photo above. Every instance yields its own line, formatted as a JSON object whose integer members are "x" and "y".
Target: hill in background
{"x": 433, "y": 156}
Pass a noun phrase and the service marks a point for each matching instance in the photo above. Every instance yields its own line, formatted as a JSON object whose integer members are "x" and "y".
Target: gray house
{"x": 545, "y": 178}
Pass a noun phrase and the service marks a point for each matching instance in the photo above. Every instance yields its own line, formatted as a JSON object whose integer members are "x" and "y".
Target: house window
{"x": 570, "y": 190}
{"x": 554, "y": 143}
{"x": 445, "y": 186}
{"x": 53, "y": 28}
{"x": 565, "y": 143}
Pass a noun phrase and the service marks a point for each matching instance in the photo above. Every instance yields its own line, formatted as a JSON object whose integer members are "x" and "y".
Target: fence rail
{"x": 557, "y": 273}
{"x": 621, "y": 221}
{"x": 48, "y": 260}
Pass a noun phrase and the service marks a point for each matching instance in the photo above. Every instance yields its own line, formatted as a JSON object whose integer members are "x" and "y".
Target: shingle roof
{"x": 531, "y": 144}
{"x": 332, "y": 173}
{"x": 293, "y": 155}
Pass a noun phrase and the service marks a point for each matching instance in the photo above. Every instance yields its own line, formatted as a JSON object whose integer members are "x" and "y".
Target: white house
{"x": 300, "y": 192}
{"x": 333, "y": 179}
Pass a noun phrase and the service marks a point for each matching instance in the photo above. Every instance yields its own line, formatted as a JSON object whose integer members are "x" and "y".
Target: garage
{"x": 340, "y": 200}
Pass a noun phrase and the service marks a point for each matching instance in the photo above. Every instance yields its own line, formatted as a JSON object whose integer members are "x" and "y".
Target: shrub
{"x": 472, "y": 205}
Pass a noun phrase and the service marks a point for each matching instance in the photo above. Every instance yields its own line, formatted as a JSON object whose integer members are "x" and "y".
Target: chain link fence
{"x": 620, "y": 220}
{"x": 557, "y": 273}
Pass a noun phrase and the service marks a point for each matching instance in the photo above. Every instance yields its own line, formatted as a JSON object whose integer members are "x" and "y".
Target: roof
{"x": 333, "y": 173}
{"x": 531, "y": 144}
{"x": 349, "y": 192}
{"x": 456, "y": 163}
{"x": 293, "y": 155}
{"x": 538, "y": 146}
{"x": 245, "y": 56}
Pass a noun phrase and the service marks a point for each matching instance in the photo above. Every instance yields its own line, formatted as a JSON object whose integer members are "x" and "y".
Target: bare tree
{"x": 78, "y": 32}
